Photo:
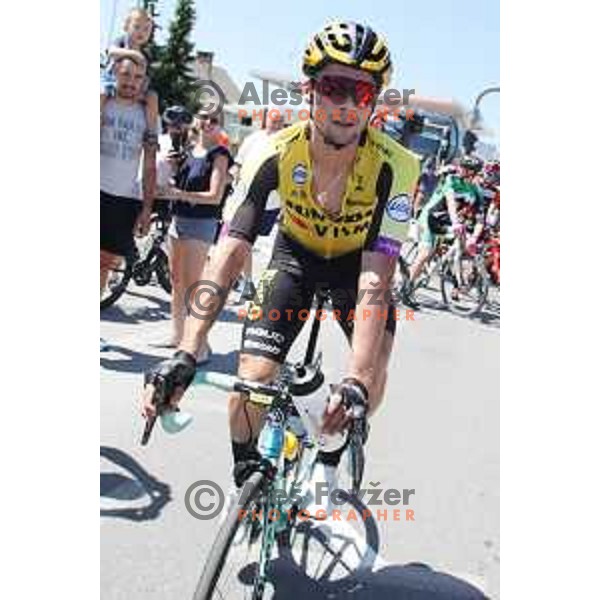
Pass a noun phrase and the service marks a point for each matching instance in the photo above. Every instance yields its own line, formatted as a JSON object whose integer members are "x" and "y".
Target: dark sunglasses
{"x": 211, "y": 120}
{"x": 338, "y": 89}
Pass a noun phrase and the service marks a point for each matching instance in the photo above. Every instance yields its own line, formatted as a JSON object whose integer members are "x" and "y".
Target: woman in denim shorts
{"x": 200, "y": 184}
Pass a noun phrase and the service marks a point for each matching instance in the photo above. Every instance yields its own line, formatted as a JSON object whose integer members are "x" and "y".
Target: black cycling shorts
{"x": 439, "y": 222}
{"x": 117, "y": 220}
{"x": 285, "y": 293}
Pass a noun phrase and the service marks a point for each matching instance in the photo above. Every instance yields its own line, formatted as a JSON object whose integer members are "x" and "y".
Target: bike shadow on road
{"x": 414, "y": 581}
{"x": 326, "y": 562}
{"x": 222, "y": 363}
{"x": 139, "y": 496}
{"x": 488, "y": 316}
{"x": 132, "y": 361}
{"x": 159, "y": 311}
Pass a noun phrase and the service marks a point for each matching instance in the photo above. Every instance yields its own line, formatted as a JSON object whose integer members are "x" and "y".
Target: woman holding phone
{"x": 199, "y": 185}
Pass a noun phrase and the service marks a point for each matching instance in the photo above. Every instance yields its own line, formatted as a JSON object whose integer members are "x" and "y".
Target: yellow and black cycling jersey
{"x": 376, "y": 205}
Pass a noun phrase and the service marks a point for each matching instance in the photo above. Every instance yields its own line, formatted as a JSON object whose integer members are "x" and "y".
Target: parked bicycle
{"x": 148, "y": 258}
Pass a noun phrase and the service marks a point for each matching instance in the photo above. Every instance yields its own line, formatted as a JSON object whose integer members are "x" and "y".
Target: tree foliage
{"x": 171, "y": 74}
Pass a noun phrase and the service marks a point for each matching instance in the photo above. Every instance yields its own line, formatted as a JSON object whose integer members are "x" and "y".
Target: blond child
{"x": 132, "y": 44}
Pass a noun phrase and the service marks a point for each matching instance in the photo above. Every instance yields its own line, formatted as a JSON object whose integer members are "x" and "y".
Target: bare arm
{"x": 375, "y": 278}
{"x": 115, "y": 53}
{"x": 452, "y": 207}
{"x": 149, "y": 175}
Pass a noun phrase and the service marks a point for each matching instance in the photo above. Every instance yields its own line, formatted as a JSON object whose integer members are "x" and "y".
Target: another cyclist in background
{"x": 122, "y": 127}
{"x": 252, "y": 146}
{"x": 490, "y": 185}
{"x": 138, "y": 29}
{"x": 427, "y": 183}
{"x": 199, "y": 185}
{"x": 456, "y": 202}
{"x": 345, "y": 204}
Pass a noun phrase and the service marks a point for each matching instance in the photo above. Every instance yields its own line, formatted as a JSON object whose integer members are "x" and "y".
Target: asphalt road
{"x": 437, "y": 433}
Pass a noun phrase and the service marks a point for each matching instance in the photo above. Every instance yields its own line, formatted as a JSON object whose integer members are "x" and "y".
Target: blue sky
{"x": 439, "y": 47}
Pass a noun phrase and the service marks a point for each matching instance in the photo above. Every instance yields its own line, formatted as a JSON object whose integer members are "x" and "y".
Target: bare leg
{"x": 187, "y": 259}
{"x": 178, "y": 312}
{"x": 247, "y": 271}
{"x": 423, "y": 256}
{"x": 253, "y": 368}
{"x": 193, "y": 258}
{"x": 108, "y": 262}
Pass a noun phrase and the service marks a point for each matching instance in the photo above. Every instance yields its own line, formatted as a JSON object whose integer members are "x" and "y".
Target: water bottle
{"x": 270, "y": 440}
{"x": 311, "y": 409}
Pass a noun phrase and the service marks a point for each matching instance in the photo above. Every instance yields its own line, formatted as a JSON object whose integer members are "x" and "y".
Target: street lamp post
{"x": 476, "y": 113}
{"x": 470, "y": 138}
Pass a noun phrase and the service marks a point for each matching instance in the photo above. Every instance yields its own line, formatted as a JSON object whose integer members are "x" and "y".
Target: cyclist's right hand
{"x": 348, "y": 400}
{"x": 175, "y": 373}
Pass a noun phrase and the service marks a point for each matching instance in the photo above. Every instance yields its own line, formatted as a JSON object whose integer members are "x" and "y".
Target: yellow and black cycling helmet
{"x": 352, "y": 44}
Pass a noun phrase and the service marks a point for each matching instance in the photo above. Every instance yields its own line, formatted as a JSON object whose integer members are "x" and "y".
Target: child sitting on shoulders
{"x": 138, "y": 29}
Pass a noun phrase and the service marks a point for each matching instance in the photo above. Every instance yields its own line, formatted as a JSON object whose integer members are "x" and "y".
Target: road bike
{"x": 465, "y": 280}
{"x": 430, "y": 277}
{"x": 264, "y": 512}
{"x": 462, "y": 279}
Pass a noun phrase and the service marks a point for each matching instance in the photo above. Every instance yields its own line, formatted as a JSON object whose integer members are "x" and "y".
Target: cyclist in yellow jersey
{"x": 345, "y": 192}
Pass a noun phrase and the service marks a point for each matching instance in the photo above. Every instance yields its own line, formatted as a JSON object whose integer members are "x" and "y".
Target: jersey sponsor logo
{"x": 398, "y": 208}
{"x": 300, "y": 174}
{"x": 312, "y": 214}
{"x": 341, "y": 231}
{"x": 261, "y": 332}
{"x": 256, "y": 345}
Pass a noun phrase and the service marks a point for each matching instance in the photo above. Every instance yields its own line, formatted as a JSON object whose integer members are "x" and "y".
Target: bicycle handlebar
{"x": 231, "y": 383}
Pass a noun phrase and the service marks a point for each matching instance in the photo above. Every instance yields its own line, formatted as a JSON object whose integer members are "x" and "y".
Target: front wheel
{"x": 464, "y": 286}
{"x": 215, "y": 582}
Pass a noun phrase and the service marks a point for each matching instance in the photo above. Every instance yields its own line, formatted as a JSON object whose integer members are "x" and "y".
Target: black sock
{"x": 243, "y": 451}
{"x": 243, "y": 455}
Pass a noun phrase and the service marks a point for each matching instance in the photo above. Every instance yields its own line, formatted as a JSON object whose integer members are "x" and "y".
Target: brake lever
{"x": 358, "y": 414}
{"x": 158, "y": 400}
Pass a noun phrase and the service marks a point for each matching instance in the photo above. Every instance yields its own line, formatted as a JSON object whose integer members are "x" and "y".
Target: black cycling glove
{"x": 177, "y": 371}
